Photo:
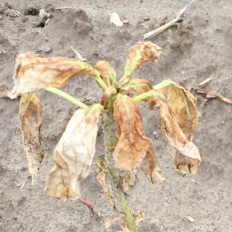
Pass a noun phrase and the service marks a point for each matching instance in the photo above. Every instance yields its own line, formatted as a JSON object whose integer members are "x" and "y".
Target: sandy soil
{"x": 189, "y": 57}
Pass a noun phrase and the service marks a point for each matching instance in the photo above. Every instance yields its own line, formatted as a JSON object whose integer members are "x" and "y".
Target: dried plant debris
{"x": 114, "y": 18}
{"x": 155, "y": 32}
{"x": 31, "y": 115}
{"x": 207, "y": 95}
{"x": 73, "y": 155}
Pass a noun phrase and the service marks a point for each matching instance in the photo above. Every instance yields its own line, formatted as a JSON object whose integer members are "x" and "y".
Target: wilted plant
{"x": 127, "y": 148}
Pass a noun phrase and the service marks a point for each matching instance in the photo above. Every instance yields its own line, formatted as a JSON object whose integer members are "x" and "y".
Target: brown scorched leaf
{"x": 106, "y": 71}
{"x": 132, "y": 144}
{"x": 140, "y": 53}
{"x": 184, "y": 107}
{"x": 33, "y": 72}
{"x": 108, "y": 93}
{"x": 73, "y": 155}
{"x": 184, "y": 153}
{"x": 150, "y": 167}
{"x": 31, "y": 115}
{"x": 101, "y": 179}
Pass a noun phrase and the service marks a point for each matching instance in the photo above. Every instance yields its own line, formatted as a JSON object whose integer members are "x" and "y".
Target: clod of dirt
{"x": 5, "y": 7}
{"x": 17, "y": 201}
{"x": 48, "y": 49}
{"x": 43, "y": 18}
{"x": 43, "y": 15}
{"x": 31, "y": 11}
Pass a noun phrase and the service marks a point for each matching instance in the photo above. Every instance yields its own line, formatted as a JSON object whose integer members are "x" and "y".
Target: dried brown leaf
{"x": 138, "y": 218}
{"x": 184, "y": 107}
{"x": 140, "y": 53}
{"x": 185, "y": 154}
{"x": 101, "y": 179}
{"x": 106, "y": 71}
{"x": 127, "y": 183}
{"x": 31, "y": 115}
{"x": 124, "y": 226}
{"x": 108, "y": 223}
{"x": 33, "y": 72}
{"x": 108, "y": 93}
{"x": 150, "y": 167}
{"x": 110, "y": 201}
{"x": 132, "y": 144}
{"x": 73, "y": 155}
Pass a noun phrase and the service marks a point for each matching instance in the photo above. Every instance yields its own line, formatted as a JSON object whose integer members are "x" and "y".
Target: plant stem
{"x": 116, "y": 190}
{"x": 151, "y": 93}
{"x": 164, "y": 83}
{"x": 67, "y": 97}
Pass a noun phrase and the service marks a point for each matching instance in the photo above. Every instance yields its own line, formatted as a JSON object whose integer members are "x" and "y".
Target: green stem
{"x": 67, "y": 97}
{"x": 100, "y": 81}
{"x": 151, "y": 93}
{"x": 164, "y": 84}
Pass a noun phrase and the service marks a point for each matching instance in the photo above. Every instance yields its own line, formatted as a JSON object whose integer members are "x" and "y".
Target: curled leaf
{"x": 150, "y": 167}
{"x": 31, "y": 115}
{"x": 185, "y": 154}
{"x": 106, "y": 71}
{"x": 108, "y": 93}
{"x": 140, "y": 53}
{"x": 184, "y": 107}
{"x": 33, "y": 72}
{"x": 132, "y": 144}
{"x": 73, "y": 155}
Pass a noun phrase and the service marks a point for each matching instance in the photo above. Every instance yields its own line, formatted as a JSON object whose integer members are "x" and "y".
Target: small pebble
{"x": 0, "y": 17}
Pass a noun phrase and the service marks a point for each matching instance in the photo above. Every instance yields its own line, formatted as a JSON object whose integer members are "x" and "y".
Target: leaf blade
{"x": 31, "y": 116}
{"x": 34, "y": 72}
{"x": 73, "y": 155}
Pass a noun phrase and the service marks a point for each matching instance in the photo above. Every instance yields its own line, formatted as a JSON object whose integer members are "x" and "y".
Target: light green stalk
{"x": 151, "y": 93}
{"x": 67, "y": 97}
{"x": 164, "y": 83}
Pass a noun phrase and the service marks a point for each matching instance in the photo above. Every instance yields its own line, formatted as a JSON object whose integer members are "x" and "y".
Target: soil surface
{"x": 201, "y": 46}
